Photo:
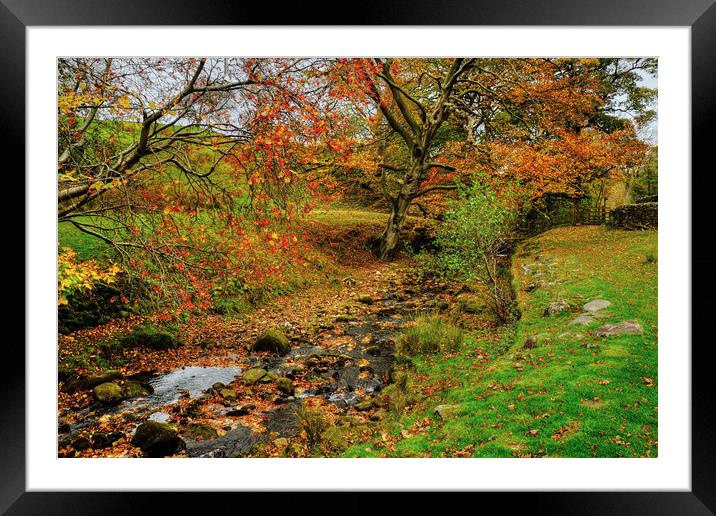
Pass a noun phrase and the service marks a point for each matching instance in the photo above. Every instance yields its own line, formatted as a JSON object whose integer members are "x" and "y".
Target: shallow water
{"x": 193, "y": 379}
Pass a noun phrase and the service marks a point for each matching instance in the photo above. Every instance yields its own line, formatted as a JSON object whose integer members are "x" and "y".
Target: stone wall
{"x": 648, "y": 198}
{"x": 644, "y": 215}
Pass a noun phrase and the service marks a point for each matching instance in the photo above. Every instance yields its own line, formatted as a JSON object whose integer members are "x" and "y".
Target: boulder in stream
{"x": 92, "y": 381}
{"x": 137, "y": 390}
{"x": 199, "y": 431}
{"x": 253, "y": 375}
{"x": 285, "y": 386}
{"x": 108, "y": 393}
{"x": 157, "y": 439}
{"x": 273, "y": 341}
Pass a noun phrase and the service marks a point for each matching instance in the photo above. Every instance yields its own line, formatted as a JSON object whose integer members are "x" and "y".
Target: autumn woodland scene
{"x": 357, "y": 257}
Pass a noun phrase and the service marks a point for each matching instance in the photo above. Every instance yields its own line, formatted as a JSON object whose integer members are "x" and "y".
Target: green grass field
{"x": 86, "y": 246}
{"x": 574, "y": 394}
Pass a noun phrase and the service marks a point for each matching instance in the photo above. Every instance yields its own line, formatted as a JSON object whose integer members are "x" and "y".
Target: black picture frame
{"x": 700, "y": 15}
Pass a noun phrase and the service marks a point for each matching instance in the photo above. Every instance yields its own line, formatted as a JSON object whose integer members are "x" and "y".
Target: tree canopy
{"x": 191, "y": 168}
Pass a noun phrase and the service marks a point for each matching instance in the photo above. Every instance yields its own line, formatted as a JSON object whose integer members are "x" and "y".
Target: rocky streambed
{"x": 254, "y": 396}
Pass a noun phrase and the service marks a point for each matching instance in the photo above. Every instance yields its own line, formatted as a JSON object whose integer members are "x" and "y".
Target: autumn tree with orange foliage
{"x": 196, "y": 172}
{"x": 552, "y": 125}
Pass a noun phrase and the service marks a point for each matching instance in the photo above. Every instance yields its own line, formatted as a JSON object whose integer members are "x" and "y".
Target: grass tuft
{"x": 430, "y": 335}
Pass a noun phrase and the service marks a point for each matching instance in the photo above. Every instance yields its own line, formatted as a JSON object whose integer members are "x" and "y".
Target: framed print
{"x": 416, "y": 254}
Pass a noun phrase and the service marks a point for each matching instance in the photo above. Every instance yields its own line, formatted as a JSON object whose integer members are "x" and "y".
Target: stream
{"x": 347, "y": 362}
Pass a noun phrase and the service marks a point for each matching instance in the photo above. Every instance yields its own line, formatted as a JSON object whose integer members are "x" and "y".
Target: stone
{"x": 446, "y": 411}
{"x": 530, "y": 342}
{"x": 556, "y": 307}
{"x": 102, "y": 440}
{"x": 241, "y": 411}
{"x": 365, "y": 299}
{"x": 583, "y": 319}
{"x": 281, "y": 443}
{"x": 364, "y": 405}
{"x": 273, "y": 341}
{"x": 268, "y": 378}
{"x": 198, "y": 430}
{"x": 65, "y": 373}
{"x": 253, "y": 375}
{"x": 81, "y": 443}
{"x": 235, "y": 443}
{"x": 620, "y": 328}
{"x": 227, "y": 394}
{"x": 597, "y": 304}
{"x": 108, "y": 393}
{"x": 137, "y": 390}
{"x": 92, "y": 381}
{"x": 285, "y": 386}
{"x": 373, "y": 351}
{"x": 157, "y": 439}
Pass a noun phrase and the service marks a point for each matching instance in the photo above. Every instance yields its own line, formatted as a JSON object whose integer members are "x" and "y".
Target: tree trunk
{"x": 390, "y": 238}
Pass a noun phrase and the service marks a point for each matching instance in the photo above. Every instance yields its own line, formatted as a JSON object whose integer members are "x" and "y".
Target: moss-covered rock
{"x": 92, "y": 381}
{"x": 365, "y": 299}
{"x": 228, "y": 394}
{"x": 364, "y": 405}
{"x": 65, "y": 373}
{"x": 285, "y": 386}
{"x": 137, "y": 390}
{"x": 195, "y": 431}
{"x": 253, "y": 375}
{"x": 273, "y": 341}
{"x": 157, "y": 439}
{"x": 448, "y": 411}
{"x": 268, "y": 378}
{"x": 108, "y": 393}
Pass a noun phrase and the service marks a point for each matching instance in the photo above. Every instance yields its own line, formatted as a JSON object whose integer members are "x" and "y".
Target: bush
{"x": 149, "y": 336}
{"x": 472, "y": 239}
{"x": 430, "y": 335}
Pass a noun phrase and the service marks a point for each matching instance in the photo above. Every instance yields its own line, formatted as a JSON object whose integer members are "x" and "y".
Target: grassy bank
{"x": 566, "y": 393}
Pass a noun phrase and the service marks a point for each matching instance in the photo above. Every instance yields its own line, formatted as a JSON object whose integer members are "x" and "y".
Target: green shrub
{"x": 430, "y": 335}
{"x": 149, "y": 336}
{"x": 476, "y": 230}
